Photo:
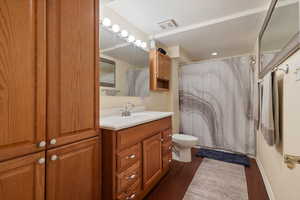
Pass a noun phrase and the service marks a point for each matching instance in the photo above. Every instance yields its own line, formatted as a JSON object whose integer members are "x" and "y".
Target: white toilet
{"x": 182, "y": 147}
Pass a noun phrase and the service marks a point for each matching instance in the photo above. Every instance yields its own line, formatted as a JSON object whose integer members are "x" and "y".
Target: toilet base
{"x": 182, "y": 154}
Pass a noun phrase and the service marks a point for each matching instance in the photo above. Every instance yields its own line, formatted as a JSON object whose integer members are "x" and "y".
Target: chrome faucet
{"x": 127, "y": 109}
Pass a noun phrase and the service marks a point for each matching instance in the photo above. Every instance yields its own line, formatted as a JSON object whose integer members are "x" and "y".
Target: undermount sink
{"x": 117, "y": 122}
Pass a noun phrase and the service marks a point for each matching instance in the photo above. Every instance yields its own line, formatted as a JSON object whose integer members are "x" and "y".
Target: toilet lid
{"x": 184, "y": 137}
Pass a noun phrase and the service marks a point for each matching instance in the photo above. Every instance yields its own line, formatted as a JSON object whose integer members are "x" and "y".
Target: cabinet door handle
{"x": 131, "y": 177}
{"x": 42, "y": 144}
{"x": 132, "y": 156}
{"x": 162, "y": 140}
{"x": 54, "y": 157}
{"x": 41, "y": 161}
{"x": 170, "y": 147}
{"x": 170, "y": 160}
{"x": 53, "y": 141}
{"x": 131, "y": 196}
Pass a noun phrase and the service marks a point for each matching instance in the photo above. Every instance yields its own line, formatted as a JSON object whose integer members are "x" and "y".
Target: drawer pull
{"x": 42, "y": 144}
{"x": 41, "y": 161}
{"x": 131, "y": 156}
{"x": 131, "y": 196}
{"x": 162, "y": 140}
{"x": 170, "y": 147}
{"x": 170, "y": 135}
{"x": 170, "y": 160}
{"x": 133, "y": 176}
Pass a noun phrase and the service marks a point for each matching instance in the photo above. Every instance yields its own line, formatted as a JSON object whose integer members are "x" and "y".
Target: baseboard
{"x": 266, "y": 180}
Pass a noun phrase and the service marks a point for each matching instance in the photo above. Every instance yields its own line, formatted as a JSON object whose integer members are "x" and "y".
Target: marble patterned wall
{"x": 216, "y": 103}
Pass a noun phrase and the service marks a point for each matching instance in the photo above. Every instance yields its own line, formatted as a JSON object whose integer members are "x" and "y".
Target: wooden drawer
{"x": 167, "y": 159}
{"x": 128, "y": 177}
{"x": 131, "y": 136}
{"x": 167, "y": 148}
{"x": 167, "y": 135}
{"x": 132, "y": 193}
{"x": 128, "y": 157}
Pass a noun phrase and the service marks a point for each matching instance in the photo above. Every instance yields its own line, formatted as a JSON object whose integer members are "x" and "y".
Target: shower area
{"x": 216, "y": 103}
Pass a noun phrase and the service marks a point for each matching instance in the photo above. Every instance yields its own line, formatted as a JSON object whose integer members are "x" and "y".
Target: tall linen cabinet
{"x": 49, "y": 101}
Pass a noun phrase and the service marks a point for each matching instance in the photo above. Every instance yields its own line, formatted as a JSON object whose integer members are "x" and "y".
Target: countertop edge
{"x": 136, "y": 123}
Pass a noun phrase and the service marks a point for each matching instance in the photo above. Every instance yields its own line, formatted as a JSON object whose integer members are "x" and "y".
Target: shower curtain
{"x": 216, "y": 103}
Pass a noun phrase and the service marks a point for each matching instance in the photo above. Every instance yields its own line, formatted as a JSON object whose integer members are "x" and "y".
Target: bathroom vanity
{"x": 136, "y": 153}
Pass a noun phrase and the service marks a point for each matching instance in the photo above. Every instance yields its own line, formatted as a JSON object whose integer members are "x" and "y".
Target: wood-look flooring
{"x": 176, "y": 182}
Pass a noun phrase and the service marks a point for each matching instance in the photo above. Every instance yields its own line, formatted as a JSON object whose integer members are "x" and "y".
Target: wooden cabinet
{"x": 160, "y": 71}
{"x": 152, "y": 161}
{"x": 49, "y": 115}
{"x": 73, "y": 171}
{"x": 72, "y": 53}
{"x": 133, "y": 159}
{"x": 23, "y": 178}
{"x": 163, "y": 66}
{"x": 22, "y": 77}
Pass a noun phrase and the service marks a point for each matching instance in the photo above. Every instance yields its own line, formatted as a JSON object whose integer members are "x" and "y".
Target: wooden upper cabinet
{"x": 160, "y": 71}
{"x": 23, "y": 178}
{"x": 73, "y": 171}
{"x": 22, "y": 77}
{"x": 72, "y": 104}
{"x": 163, "y": 66}
{"x": 152, "y": 159}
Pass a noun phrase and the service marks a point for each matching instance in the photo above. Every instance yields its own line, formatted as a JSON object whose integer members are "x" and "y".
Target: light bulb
{"x": 106, "y": 22}
{"x": 144, "y": 45}
{"x": 124, "y": 33}
{"x": 138, "y": 43}
{"x": 131, "y": 38}
{"x": 116, "y": 28}
{"x": 214, "y": 53}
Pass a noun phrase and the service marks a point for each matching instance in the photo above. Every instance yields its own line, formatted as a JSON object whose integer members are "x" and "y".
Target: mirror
{"x": 279, "y": 33}
{"x": 123, "y": 62}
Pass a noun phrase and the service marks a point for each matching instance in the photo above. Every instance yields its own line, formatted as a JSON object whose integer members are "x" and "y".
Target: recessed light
{"x": 214, "y": 53}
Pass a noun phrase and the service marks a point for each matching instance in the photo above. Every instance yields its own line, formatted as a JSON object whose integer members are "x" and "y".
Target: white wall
{"x": 281, "y": 182}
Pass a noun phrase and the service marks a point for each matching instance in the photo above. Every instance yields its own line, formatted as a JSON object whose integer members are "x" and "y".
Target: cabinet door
{"x": 23, "y": 178}
{"x": 152, "y": 160}
{"x": 72, "y": 50}
{"x": 73, "y": 171}
{"x": 22, "y": 77}
{"x": 164, "y": 66}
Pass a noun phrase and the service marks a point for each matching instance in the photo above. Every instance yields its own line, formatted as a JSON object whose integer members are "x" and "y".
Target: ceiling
{"x": 229, "y": 27}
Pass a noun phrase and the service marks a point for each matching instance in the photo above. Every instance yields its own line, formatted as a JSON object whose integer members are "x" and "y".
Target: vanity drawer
{"x": 167, "y": 147}
{"x": 128, "y": 157}
{"x": 167, "y": 135}
{"x": 132, "y": 193}
{"x": 128, "y": 177}
{"x": 131, "y": 136}
{"x": 167, "y": 159}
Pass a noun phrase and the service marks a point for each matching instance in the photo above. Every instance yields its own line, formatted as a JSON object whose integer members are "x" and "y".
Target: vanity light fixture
{"x": 106, "y": 22}
{"x": 131, "y": 38}
{"x": 124, "y": 33}
{"x": 115, "y": 28}
{"x": 214, "y": 53}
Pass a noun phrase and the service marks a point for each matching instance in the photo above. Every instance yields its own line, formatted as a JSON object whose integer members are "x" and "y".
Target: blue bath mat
{"x": 224, "y": 156}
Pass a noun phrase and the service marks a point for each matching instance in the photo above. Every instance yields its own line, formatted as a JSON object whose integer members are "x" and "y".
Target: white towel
{"x": 267, "y": 116}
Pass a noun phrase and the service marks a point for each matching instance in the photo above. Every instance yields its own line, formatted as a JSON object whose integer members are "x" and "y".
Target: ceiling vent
{"x": 168, "y": 24}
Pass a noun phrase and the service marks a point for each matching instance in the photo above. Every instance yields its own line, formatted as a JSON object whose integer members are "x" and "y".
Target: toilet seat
{"x": 185, "y": 140}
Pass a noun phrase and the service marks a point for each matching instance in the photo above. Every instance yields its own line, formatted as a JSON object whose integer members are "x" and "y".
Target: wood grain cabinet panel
{"x": 72, "y": 53}
{"x": 73, "y": 171}
{"x": 23, "y": 178}
{"x": 22, "y": 77}
{"x": 152, "y": 163}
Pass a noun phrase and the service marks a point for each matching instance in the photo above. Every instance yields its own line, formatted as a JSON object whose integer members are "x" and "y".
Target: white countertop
{"x": 116, "y": 122}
